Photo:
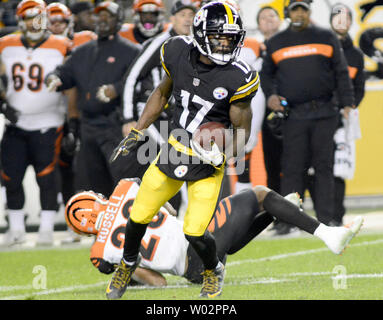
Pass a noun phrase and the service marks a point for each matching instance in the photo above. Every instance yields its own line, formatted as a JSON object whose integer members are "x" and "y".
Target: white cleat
{"x": 14, "y": 237}
{"x": 340, "y": 237}
{"x": 294, "y": 198}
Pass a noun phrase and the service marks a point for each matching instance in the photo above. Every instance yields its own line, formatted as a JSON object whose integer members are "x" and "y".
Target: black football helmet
{"x": 215, "y": 20}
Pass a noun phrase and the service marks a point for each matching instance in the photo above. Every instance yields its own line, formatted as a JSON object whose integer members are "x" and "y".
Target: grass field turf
{"x": 267, "y": 269}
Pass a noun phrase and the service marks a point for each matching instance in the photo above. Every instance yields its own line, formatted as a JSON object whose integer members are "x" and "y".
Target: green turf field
{"x": 267, "y": 269}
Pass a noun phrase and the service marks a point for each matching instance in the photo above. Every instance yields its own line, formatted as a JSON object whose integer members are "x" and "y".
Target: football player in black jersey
{"x": 209, "y": 85}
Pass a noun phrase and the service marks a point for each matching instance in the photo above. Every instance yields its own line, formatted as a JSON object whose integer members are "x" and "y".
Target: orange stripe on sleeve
{"x": 302, "y": 51}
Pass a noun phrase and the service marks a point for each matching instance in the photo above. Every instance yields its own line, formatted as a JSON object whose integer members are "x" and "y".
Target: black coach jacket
{"x": 306, "y": 68}
{"x": 92, "y": 65}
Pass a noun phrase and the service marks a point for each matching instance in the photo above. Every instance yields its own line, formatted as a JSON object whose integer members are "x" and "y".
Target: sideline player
{"x": 33, "y": 136}
{"x": 238, "y": 219}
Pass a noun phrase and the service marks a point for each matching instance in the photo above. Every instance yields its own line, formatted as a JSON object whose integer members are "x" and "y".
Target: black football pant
{"x": 19, "y": 149}
{"x": 339, "y": 195}
{"x": 272, "y": 153}
{"x": 302, "y": 139}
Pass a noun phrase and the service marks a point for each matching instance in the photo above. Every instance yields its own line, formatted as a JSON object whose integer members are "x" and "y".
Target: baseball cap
{"x": 182, "y": 4}
{"x": 302, "y": 3}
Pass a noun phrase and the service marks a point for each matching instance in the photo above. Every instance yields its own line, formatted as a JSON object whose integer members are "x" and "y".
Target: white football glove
{"x": 101, "y": 94}
{"x": 213, "y": 157}
{"x": 54, "y": 82}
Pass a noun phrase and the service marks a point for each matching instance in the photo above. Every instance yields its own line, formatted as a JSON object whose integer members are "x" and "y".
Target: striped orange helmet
{"x": 58, "y": 10}
{"x": 30, "y": 8}
{"x": 139, "y": 5}
{"x": 82, "y": 210}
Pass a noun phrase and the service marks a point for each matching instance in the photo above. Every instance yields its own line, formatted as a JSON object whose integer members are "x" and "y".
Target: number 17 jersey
{"x": 204, "y": 93}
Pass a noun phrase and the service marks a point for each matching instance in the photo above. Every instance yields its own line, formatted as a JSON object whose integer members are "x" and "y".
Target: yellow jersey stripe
{"x": 229, "y": 14}
{"x": 248, "y": 84}
{"x": 162, "y": 60}
{"x": 240, "y": 96}
{"x": 180, "y": 147}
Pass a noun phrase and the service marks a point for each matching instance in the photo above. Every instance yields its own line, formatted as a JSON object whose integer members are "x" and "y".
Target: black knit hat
{"x": 81, "y": 6}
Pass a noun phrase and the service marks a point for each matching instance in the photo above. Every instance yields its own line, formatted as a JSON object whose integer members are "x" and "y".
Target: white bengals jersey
{"x": 163, "y": 247}
{"x": 26, "y": 69}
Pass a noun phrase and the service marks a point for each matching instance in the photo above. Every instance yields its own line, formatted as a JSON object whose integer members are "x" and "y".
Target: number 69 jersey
{"x": 163, "y": 247}
{"x": 204, "y": 93}
{"x": 26, "y": 69}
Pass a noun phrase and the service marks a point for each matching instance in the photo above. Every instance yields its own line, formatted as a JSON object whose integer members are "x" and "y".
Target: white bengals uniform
{"x": 163, "y": 247}
{"x": 26, "y": 69}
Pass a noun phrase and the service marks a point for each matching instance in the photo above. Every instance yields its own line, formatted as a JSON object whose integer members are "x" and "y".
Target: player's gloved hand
{"x": 53, "y": 82}
{"x": 9, "y": 112}
{"x": 71, "y": 141}
{"x": 127, "y": 144}
{"x": 213, "y": 157}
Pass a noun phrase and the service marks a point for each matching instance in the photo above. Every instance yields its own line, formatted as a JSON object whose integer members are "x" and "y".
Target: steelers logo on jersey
{"x": 180, "y": 171}
{"x": 220, "y": 93}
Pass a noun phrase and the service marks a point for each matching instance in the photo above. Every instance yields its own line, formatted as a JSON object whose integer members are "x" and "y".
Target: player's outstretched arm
{"x": 156, "y": 103}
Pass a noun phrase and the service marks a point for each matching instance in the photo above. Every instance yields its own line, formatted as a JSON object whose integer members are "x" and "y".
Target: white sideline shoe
{"x": 14, "y": 237}
{"x": 339, "y": 237}
{"x": 45, "y": 238}
{"x": 294, "y": 198}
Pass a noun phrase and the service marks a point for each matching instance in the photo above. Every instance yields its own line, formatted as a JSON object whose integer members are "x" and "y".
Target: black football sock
{"x": 133, "y": 235}
{"x": 205, "y": 248}
{"x": 288, "y": 212}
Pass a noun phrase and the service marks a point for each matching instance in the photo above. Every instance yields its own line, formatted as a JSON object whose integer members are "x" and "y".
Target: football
{"x": 210, "y": 132}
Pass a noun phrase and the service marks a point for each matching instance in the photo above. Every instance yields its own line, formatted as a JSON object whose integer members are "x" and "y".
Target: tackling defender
{"x": 164, "y": 248}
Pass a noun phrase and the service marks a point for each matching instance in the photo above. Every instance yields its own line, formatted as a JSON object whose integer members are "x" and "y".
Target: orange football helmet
{"x": 82, "y": 210}
{"x": 59, "y": 12}
{"x": 30, "y": 8}
{"x": 149, "y": 27}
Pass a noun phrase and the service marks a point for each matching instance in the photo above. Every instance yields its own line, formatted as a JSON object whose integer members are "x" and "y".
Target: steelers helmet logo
{"x": 198, "y": 18}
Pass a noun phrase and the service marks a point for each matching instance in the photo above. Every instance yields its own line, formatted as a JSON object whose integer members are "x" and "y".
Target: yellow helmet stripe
{"x": 229, "y": 14}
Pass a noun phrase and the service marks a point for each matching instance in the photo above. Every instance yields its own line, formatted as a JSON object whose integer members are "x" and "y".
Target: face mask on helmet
{"x": 32, "y": 19}
{"x": 149, "y": 19}
{"x": 83, "y": 210}
{"x": 218, "y": 32}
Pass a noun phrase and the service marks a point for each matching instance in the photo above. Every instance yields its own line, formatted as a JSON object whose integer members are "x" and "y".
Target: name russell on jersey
{"x": 108, "y": 218}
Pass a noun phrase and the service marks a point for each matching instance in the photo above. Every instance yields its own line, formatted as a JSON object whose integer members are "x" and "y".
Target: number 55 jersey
{"x": 163, "y": 247}
{"x": 26, "y": 68}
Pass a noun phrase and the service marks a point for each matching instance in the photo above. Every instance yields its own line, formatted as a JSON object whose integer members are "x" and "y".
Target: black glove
{"x": 127, "y": 144}
{"x": 9, "y": 112}
{"x": 71, "y": 141}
